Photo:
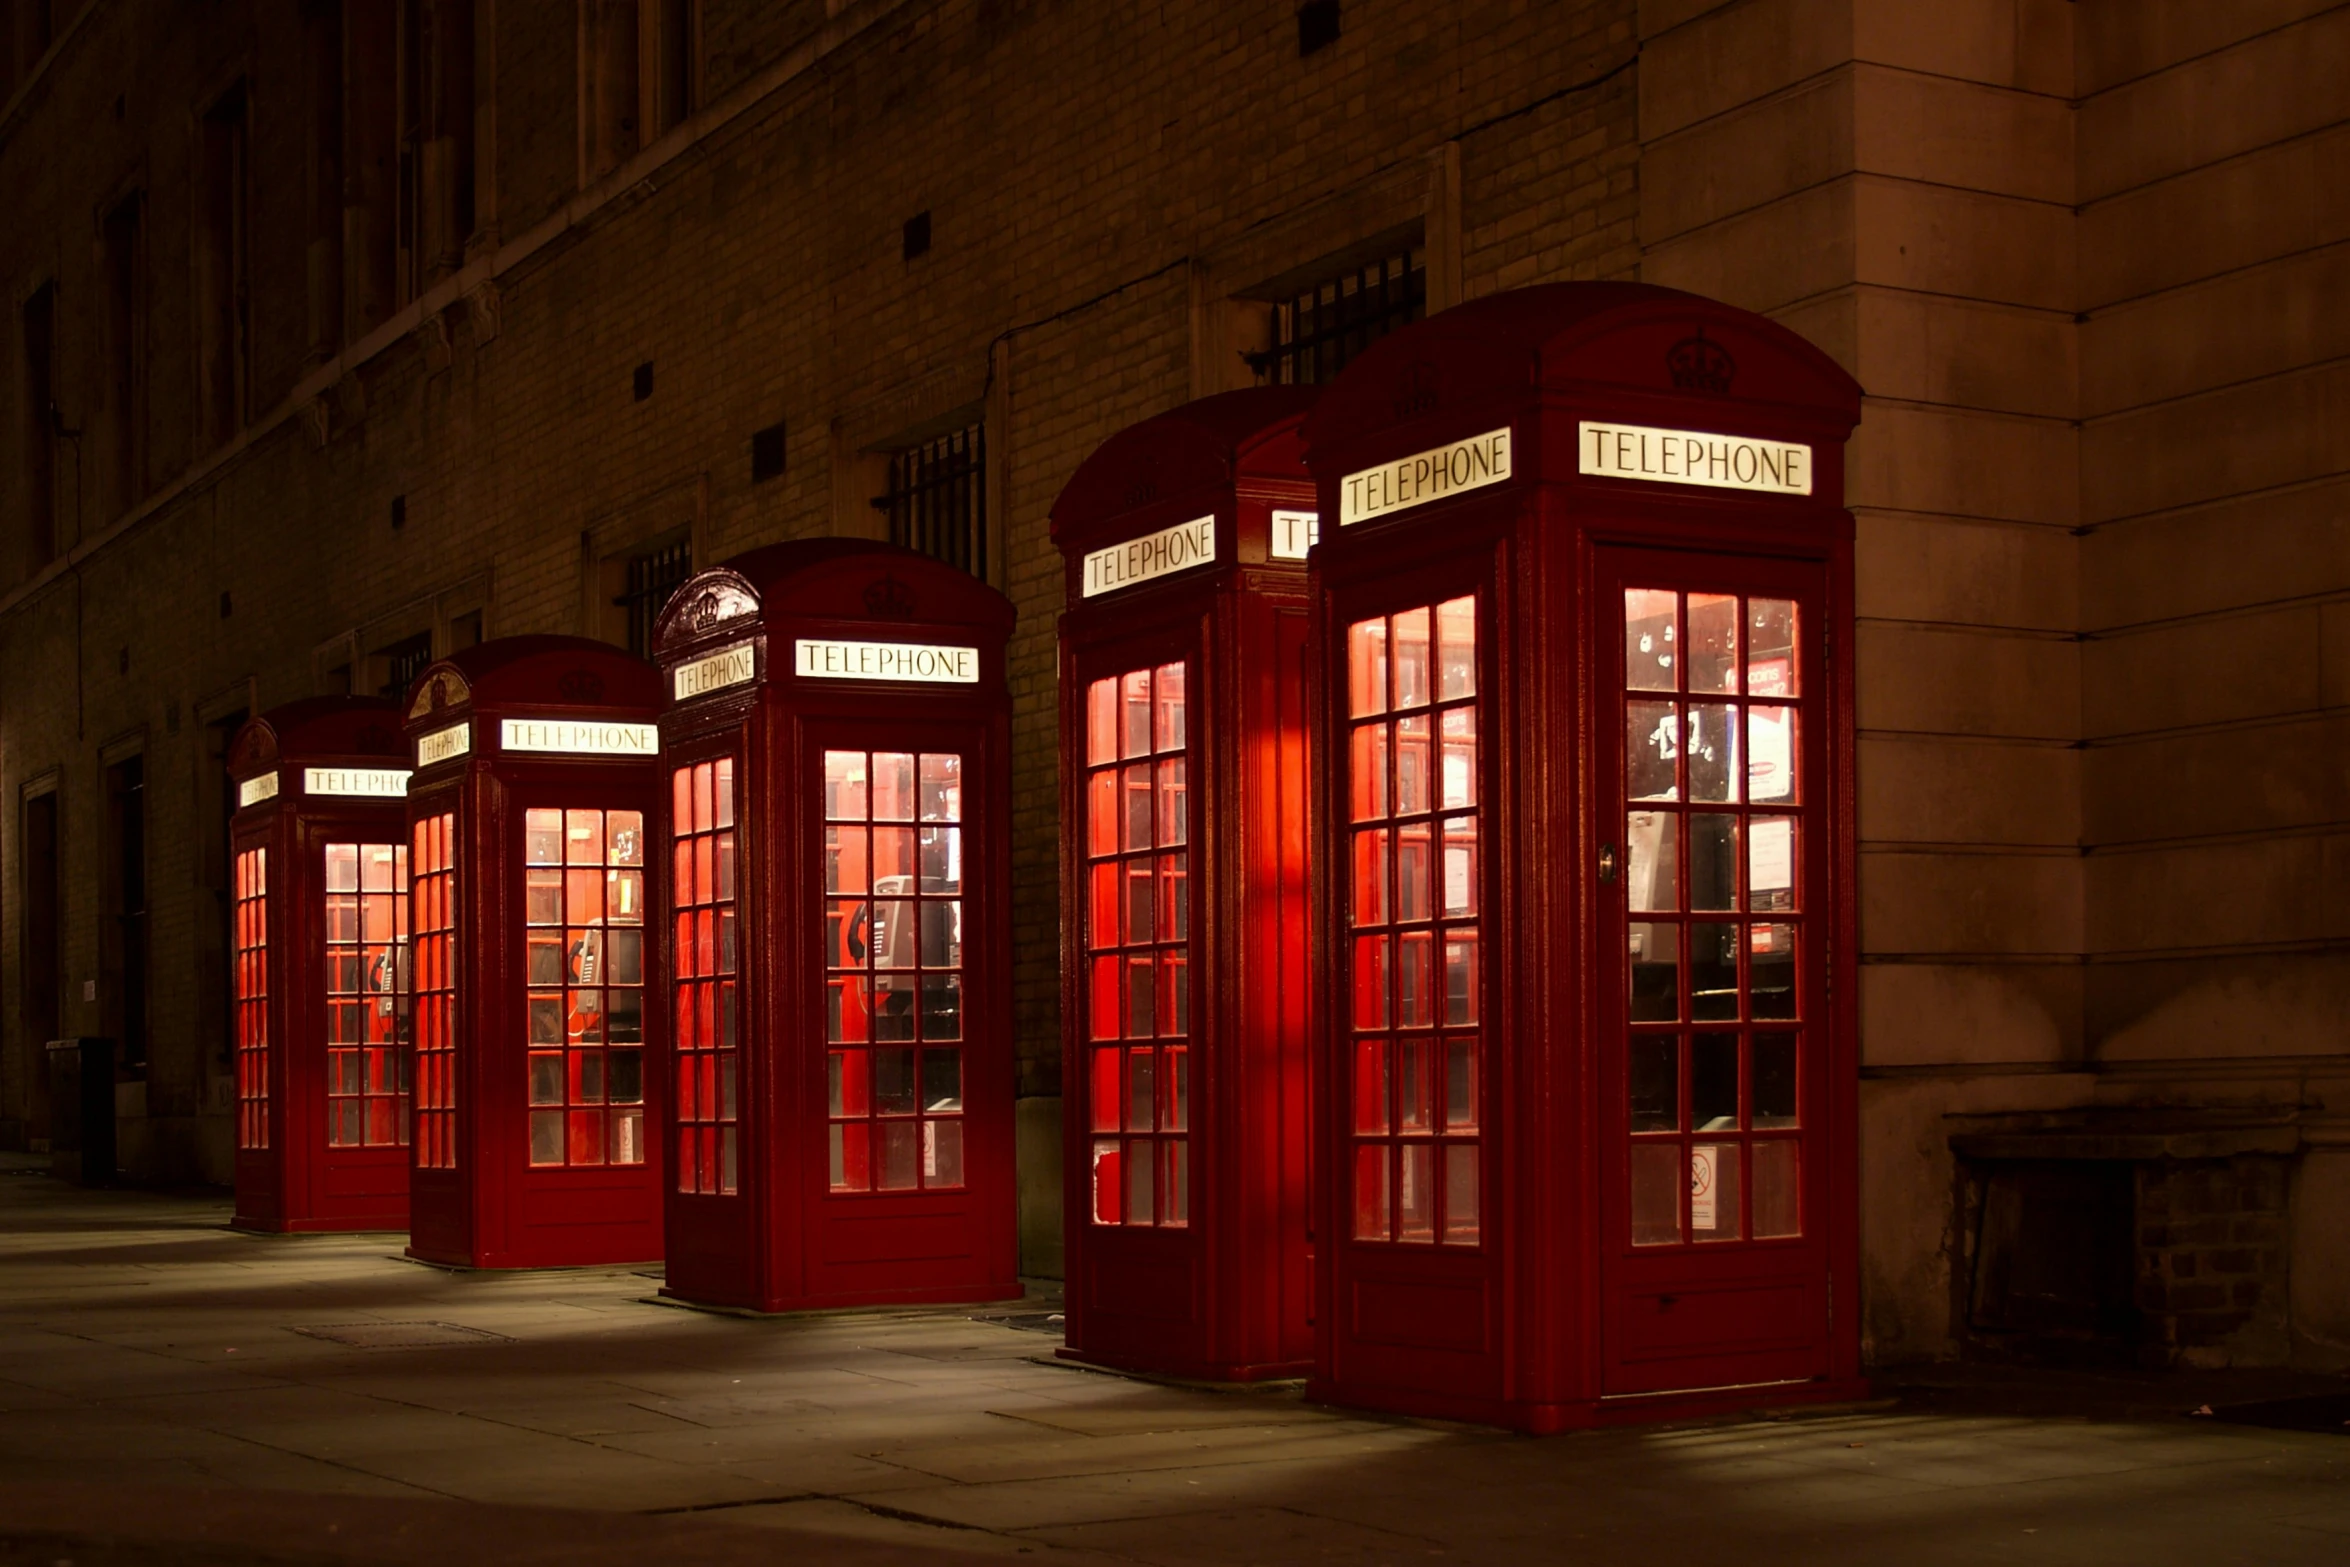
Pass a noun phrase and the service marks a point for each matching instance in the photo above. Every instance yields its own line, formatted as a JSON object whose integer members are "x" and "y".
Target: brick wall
{"x": 2213, "y": 1266}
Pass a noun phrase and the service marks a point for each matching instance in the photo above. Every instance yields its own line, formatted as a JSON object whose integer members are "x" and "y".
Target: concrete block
{"x": 1914, "y": 566}
{"x": 1931, "y": 789}
{"x": 2276, "y": 316}
{"x": 1925, "y": 125}
{"x": 2254, "y": 664}
{"x": 1963, "y": 463}
{"x": 1925, "y": 904}
{"x": 2226, "y": 554}
{"x": 2281, "y": 430}
{"x": 1738, "y": 54}
{"x": 1939, "y": 240}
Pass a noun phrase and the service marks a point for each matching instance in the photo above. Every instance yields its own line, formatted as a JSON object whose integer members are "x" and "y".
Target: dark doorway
{"x": 37, "y": 995}
{"x": 2055, "y": 1243}
{"x": 122, "y": 953}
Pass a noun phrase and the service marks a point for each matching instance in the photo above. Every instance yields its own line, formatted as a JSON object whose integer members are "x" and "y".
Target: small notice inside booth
{"x": 318, "y": 956}
{"x": 836, "y": 806}
{"x": 1583, "y": 611}
{"x": 1183, "y": 854}
{"x": 539, "y": 1058}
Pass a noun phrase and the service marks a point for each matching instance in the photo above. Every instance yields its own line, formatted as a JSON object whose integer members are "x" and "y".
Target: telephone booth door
{"x": 837, "y": 815}
{"x": 1712, "y": 1054}
{"x": 1185, "y": 925}
{"x": 538, "y": 1061}
{"x": 1589, "y": 1113}
{"x": 318, "y": 956}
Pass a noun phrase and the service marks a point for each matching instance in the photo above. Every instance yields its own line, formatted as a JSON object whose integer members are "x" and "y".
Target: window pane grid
{"x": 704, "y": 946}
{"x": 1321, "y": 327}
{"x": 1138, "y": 946}
{"x": 432, "y": 895}
{"x": 894, "y": 982}
{"x": 367, "y": 1023}
{"x": 1714, "y": 834}
{"x": 584, "y": 1006}
{"x": 1413, "y": 960}
{"x": 251, "y": 964}
{"x": 937, "y": 498}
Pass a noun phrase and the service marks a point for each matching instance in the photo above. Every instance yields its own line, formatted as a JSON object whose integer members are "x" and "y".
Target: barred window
{"x": 653, "y": 575}
{"x": 1320, "y": 327}
{"x": 403, "y": 661}
{"x": 937, "y": 498}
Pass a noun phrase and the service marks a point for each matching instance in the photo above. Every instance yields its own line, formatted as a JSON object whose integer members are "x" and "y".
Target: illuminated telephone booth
{"x": 1183, "y": 854}
{"x": 536, "y": 968}
{"x": 317, "y": 955}
{"x": 1583, "y": 605}
{"x": 836, "y": 804}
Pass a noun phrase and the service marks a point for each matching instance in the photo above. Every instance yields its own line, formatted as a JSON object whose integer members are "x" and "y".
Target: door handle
{"x": 1607, "y": 863}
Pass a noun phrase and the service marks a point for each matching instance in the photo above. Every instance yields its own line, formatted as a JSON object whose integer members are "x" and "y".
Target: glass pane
{"x": 898, "y": 1156}
{"x": 1460, "y": 1085}
{"x": 546, "y": 1137}
{"x": 722, "y": 789}
{"x": 1652, "y": 747}
{"x": 1174, "y": 815}
{"x": 1101, "y": 908}
{"x": 1412, "y": 871}
{"x": 893, "y": 932}
{"x": 941, "y": 945}
{"x": 1460, "y": 866}
{"x": 1456, "y": 644}
{"x": 1102, "y": 1096}
{"x": 1101, "y": 812}
{"x": 1370, "y": 982}
{"x": 1713, "y": 751}
{"x": 1655, "y": 1075}
{"x": 1142, "y": 997}
{"x": 942, "y": 1081}
{"x": 1411, "y": 764}
{"x": 845, "y": 851}
{"x": 893, "y": 786}
{"x": 893, "y": 1082}
{"x": 1770, "y": 864}
{"x": 583, "y": 837}
{"x": 1370, "y": 1192}
{"x": 1141, "y": 1089}
{"x": 1648, "y": 640}
{"x": 1167, "y": 719}
{"x": 1460, "y": 1194}
{"x": 1175, "y": 1113}
{"x": 942, "y": 1006}
{"x": 1140, "y": 1209}
{"x": 844, "y": 785}
{"x": 1713, "y": 642}
{"x": 1713, "y": 860}
{"x": 1415, "y": 1193}
{"x": 893, "y": 1006}
{"x": 1713, "y": 1083}
{"x": 1175, "y": 895}
{"x": 1101, "y": 722}
{"x": 1174, "y": 1182}
{"x": 542, "y": 837}
{"x": 1174, "y": 993}
{"x": 624, "y": 1081}
{"x": 1774, "y": 1083}
{"x": 1713, "y": 971}
{"x": 1770, "y": 648}
{"x": 1457, "y": 785}
{"x": 1460, "y": 978}
{"x": 625, "y": 952}
{"x": 1655, "y": 995}
{"x": 1777, "y": 1209}
{"x": 942, "y": 1153}
{"x": 624, "y": 838}
{"x": 1107, "y": 1185}
{"x": 1652, "y": 854}
{"x": 624, "y": 890}
{"x": 1135, "y": 786}
{"x": 1411, "y": 658}
{"x": 342, "y": 868}
{"x": 1770, "y": 755}
{"x": 1713, "y": 1192}
{"x": 941, "y": 798}
{"x": 1134, "y": 737}
{"x": 852, "y": 1157}
{"x": 624, "y": 1016}
{"x": 1415, "y": 1111}
{"x": 1771, "y": 971}
{"x": 1366, "y": 667}
{"x": 1656, "y": 1193}
{"x": 1370, "y": 1099}
{"x": 940, "y": 852}
{"x": 893, "y": 859}
{"x": 1367, "y": 778}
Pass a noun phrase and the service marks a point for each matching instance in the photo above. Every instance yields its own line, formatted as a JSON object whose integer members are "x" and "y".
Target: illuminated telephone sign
{"x": 536, "y": 969}
{"x": 1584, "y": 1114}
{"x": 835, "y": 804}
{"x": 1184, "y": 914}
{"x": 318, "y": 956}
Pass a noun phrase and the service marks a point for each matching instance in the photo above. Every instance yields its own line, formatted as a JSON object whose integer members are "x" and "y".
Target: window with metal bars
{"x": 1321, "y": 326}
{"x": 937, "y": 498}
{"x": 403, "y": 661}
{"x": 652, "y": 576}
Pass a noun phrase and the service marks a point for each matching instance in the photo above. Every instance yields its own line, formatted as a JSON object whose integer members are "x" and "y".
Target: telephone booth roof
{"x": 573, "y": 676}
{"x": 1183, "y": 462}
{"x": 848, "y": 585}
{"x": 1648, "y": 352}
{"x": 353, "y": 731}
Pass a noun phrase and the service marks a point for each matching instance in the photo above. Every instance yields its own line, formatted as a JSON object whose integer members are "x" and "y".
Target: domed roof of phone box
{"x": 833, "y": 579}
{"x": 1207, "y": 444}
{"x": 576, "y": 674}
{"x": 318, "y": 728}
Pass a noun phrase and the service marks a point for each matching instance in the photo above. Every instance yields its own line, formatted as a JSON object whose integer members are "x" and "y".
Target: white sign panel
{"x": 1722, "y": 462}
{"x": 1294, "y": 533}
{"x": 443, "y": 744}
{"x": 1179, "y": 548}
{"x": 826, "y": 660}
{"x": 1424, "y": 476}
{"x": 1703, "y": 1183}
{"x": 579, "y": 736}
{"x": 255, "y": 790}
{"x": 373, "y": 783}
{"x": 729, "y": 666}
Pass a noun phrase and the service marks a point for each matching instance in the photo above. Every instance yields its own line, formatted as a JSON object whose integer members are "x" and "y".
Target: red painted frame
{"x": 494, "y": 1209}
{"x": 784, "y": 1240}
{"x": 1528, "y": 1327}
{"x": 298, "y": 1182}
{"x": 1227, "y": 1295}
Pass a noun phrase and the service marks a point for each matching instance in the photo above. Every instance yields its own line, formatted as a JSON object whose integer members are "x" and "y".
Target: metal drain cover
{"x": 400, "y": 1335}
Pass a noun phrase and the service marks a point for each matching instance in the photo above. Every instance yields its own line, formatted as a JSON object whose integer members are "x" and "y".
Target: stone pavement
{"x": 171, "y": 1391}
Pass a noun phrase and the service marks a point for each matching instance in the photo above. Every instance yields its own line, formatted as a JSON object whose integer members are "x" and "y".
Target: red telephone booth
{"x": 836, "y": 803}
{"x": 1183, "y": 855}
{"x": 539, "y": 1063}
{"x": 318, "y": 954}
{"x": 1583, "y": 600}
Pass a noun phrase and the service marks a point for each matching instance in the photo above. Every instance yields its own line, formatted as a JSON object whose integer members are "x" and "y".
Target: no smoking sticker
{"x": 1701, "y": 1186}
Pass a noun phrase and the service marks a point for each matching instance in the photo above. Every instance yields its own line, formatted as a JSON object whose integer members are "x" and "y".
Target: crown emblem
{"x": 1416, "y": 394}
{"x": 1699, "y": 364}
{"x": 581, "y": 686}
{"x": 889, "y": 599}
{"x": 719, "y": 601}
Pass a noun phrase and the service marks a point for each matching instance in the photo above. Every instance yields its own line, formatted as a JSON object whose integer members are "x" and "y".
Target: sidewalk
{"x": 171, "y": 1391}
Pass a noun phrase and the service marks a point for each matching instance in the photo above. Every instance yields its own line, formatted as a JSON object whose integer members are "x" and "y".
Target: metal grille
{"x": 1319, "y": 328}
{"x": 937, "y": 499}
{"x": 652, "y": 577}
{"x": 403, "y": 662}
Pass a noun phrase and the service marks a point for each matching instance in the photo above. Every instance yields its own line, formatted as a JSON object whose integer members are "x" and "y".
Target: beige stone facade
{"x": 324, "y": 332}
